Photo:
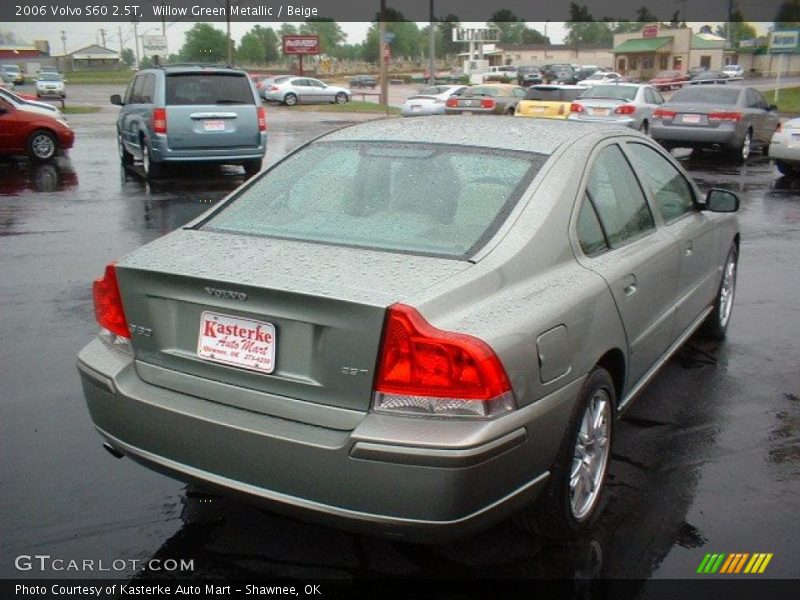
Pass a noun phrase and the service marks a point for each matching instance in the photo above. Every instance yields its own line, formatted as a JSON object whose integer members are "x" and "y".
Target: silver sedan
{"x": 304, "y": 90}
{"x": 785, "y": 148}
{"x": 723, "y": 117}
{"x": 628, "y": 104}
{"x": 430, "y": 100}
{"x": 415, "y": 327}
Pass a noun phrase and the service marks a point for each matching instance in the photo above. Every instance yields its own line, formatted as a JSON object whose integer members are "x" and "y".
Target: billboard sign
{"x": 301, "y": 44}
{"x": 650, "y": 31}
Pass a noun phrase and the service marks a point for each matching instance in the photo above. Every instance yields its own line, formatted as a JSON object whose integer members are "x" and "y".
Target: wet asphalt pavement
{"x": 707, "y": 460}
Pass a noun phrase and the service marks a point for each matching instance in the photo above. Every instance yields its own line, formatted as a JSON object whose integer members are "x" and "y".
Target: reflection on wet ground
{"x": 707, "y": 460}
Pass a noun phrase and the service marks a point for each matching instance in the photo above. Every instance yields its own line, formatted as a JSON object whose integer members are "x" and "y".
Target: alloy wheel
{"x": 591, "y": 454}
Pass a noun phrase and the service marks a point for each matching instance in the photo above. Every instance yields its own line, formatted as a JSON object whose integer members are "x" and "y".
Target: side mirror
{"x": 772, "y": 107}
{"x": 3, "y": 110}
{"x": 721, "y": 201}
{"x": 116, "y": 99}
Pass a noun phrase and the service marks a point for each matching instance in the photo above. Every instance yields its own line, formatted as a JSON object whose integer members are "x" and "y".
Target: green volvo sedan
{"x": 414, "y": 328}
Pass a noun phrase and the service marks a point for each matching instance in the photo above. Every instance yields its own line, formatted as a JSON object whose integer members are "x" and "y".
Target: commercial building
{"x": 643, "y": 54}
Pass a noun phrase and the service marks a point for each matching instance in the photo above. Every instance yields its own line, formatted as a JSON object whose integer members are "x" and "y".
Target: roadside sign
{"x": 154, "y": 45}
{"x": 476, "y": 34}
{"x": 301, "y": 44}
{"x": 387, "y": 52}
{"x": 783, "y": 42}
{"x": 650, "y": 31}
{"x": 388, "y": 37}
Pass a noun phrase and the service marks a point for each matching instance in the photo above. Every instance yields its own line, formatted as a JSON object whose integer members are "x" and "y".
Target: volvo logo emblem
{"x": 226, "y": 294}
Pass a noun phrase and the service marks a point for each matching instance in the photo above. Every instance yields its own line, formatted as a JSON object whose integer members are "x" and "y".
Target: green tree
{"x": 788, "y": 15}
{"x": 739, "y": 30}
{"x": 510, "y": 25}
{"x": 645, "y": 15}
{"x": 259, "y": 46}
{"x": 583, "y": 29}
{"x": 445, "y": 27}
{"x": 406, "y": 42}
{"x": 205, "y": 43}
{"x": 331, "y": 35}
{"x": 532, "y": 36}
{"x": 127, "y": 56}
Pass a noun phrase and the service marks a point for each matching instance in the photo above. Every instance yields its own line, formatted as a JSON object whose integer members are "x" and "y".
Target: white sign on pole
{"x": 154, "y": 45}
{"x": 476, "y": 34}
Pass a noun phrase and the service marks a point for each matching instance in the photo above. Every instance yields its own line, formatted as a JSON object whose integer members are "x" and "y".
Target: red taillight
{"x": 273, "y": 88}
{"x": 452, "y": 102}
{"x": 108, "y": 303}
{"x": 487, "y": 103}
{"x": 262, "y": 118}
{"x": 660, "y": 113}
{"x": 625, "y": 109}
{"x": 160, "y": 120}
{"x": 576, "y": 108}
{"x": 416, "y": 359}
{"x": 724, "y": 116}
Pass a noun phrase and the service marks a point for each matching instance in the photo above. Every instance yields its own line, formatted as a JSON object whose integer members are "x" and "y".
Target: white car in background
{"x": 601, "y": 77}
{"x": 291, "y": 90}
{"x": 785, "y": 148}
{"x": 50, "y": 85}
{"x": 430, "y": 100}
{"x": 31, "y": 105}
{"x": 733, "y": 71}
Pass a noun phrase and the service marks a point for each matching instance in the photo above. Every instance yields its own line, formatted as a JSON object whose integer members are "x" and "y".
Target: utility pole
{"x": 103, "y": 37}
{"x": 64, "y": 42}
{"x": 382, "y": 58}
{"x": 228, "y": 35}
{"x": 121, "y": 44}
{"x": 136, "y": 42}
{"x": 431, "y": 47}
{"x": 728, "y": 28}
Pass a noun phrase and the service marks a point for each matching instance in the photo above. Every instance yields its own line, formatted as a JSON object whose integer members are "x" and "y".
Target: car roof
{"x": 509, "y": 133}
{"x": 189, "y": 68}
{"x": 555, "y": 86}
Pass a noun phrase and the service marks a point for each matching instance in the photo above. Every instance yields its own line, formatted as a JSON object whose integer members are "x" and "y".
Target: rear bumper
{"x": 781, "y": 149}
{"x": 389, "y": 476}
{"x": 160, "y": 152}
{"x": 634, "y": 123}
{"x": 721, "y": 135}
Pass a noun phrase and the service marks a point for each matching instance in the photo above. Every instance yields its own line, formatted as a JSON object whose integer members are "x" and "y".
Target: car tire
{"x": 786, "y": 169}
{"x": 125, "y": 157}
{"x": 152, "y": 170}
{"x": 565, "y": 507}
{"x": 341, "y": 98}
{"x": 42, "y": 145}
{"x": 251, "y": 167}
{"x": 741, "y": 151}
{"x": 290, "y": 99}
{"x": 716, "y": 324}
{"x": 645, "y": 127}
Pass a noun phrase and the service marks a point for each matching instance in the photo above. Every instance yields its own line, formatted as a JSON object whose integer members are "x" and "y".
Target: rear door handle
{"x": 688, "y": 249}
{"x": 629, "y": 285}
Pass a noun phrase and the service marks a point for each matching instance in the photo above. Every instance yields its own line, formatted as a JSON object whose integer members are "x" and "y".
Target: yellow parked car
{"x": 548, "y": 101}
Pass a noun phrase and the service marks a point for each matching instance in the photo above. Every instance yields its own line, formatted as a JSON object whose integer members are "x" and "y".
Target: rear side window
{"x": 673, "y": 194}
{"x": 590, "y": 234}
{"x": 553, "y": 94}
{"x": 208, "y": 88}
{"x": 618, "y": 198}
{"x": 438, "y": 200}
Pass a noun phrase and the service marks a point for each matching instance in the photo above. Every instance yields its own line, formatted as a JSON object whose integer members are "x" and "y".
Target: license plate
{"x": 216, "y": 125}
{"x": 691, "y": 119}
{"x": 537, "y": 109}
{"x": 236, "y": 341}
{"x": 600, "y": 112}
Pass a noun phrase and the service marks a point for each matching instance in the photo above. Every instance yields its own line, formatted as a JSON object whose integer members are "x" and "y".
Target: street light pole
{"x": 431, "y": 48}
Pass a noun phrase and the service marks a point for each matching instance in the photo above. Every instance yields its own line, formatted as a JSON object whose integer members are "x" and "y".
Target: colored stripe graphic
{"x": 729, "y": 564}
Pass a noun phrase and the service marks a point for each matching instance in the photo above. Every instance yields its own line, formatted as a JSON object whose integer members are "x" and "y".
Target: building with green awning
{"x": 644, "y": 53}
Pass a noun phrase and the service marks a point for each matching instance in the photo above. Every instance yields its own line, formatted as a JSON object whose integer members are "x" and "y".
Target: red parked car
{"x": 669, "y": 80}
{"x": 35, "y": 134}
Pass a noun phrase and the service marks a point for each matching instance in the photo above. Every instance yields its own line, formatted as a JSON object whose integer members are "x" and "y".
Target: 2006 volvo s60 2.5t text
{"x": 414, "y": 328}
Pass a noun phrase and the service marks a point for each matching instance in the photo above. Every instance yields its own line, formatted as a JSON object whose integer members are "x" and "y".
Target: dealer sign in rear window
{"x": 236, "y": 341}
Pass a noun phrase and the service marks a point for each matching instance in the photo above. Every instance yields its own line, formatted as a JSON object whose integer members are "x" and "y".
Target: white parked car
{"x": 502, "y": 71}
{"x": 430, "y": 100}
{"x": 291, "y": 90}
{"x": 733, "y": 71}
{"x": 785, "y": 148}
{"x": 31, "y": 105}
{"x": 50, "y": 85}
{"x": 601, "y": 77}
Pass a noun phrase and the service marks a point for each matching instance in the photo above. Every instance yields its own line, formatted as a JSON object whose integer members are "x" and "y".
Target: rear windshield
{"x": 552, "y": 94}
{"x": 706, "y": 95}
{"x": 481, "y": 90}
{"x": 208, "y": 88}
{"x": 611, "y": 92}
{"x": 438, "y": 200}
{"x": 49, "y": 77}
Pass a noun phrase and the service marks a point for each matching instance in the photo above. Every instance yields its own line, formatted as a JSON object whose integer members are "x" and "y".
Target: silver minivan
{"x": 191, "y": 114}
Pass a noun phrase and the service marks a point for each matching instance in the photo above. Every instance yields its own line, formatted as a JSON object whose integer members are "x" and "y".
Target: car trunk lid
{"x": 282, "y": 319}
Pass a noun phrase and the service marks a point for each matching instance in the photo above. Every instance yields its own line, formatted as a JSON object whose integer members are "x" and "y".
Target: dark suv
{"x": 191, "y": 114}
{"x": 527, "y": 76}
{"x": 363, "y": 81}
